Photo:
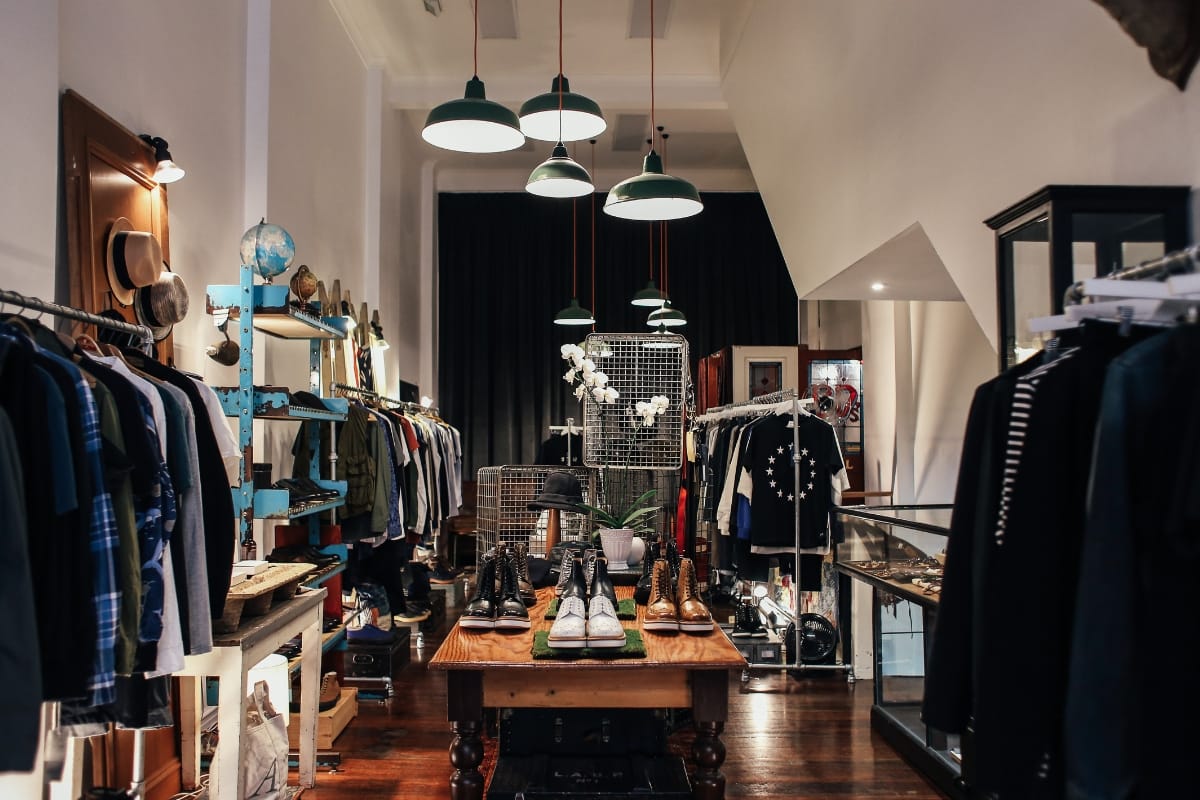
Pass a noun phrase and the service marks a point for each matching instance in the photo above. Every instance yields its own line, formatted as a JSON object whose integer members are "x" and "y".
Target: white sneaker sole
{"x": 566, "y": 644}
{"x": 665, "y": 625}
{"x": 477, "y": 623}
{"x": 516, "y": 624}
{"x": 696, "y": 627}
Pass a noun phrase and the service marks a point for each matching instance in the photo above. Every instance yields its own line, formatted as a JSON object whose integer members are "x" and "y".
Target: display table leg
{"x": 310, "y": 692}
{"x": 464, "y": 709}
{"x": 710, "y": 705}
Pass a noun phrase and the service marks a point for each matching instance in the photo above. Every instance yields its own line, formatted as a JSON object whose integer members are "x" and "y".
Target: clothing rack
{"x": 771, "y": 402}
{"x": 8, "y": 297}
{"x": 367, "y": 394}
{"x": 567, "y": 430}
{"x": 1177, "y": 263}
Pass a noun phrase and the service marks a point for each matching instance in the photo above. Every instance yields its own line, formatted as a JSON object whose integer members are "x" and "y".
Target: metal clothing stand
{"x": 367, "y": 394}
{"x": 787, "y": 399}
{"x": 567, "y": 430}
{"x": 11, "y": 298}
{"x": 7, "y": 297}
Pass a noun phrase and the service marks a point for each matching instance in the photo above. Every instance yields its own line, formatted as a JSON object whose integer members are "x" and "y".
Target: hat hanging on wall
{"x": 162, "y": 304}
{"x": 134, "y": 259}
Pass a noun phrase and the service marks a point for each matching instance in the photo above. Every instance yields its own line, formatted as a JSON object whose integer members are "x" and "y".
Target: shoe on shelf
{"x": 369, "y": 633}
{"x": 480, "y": 612}
{"x": 746, "y": 621}
{"x": 511, "y": 613}
{"x": 411, "y": 614}
{"x": 694, "y": 616}
{"x": 569, "y": 631}
{"x": 440, "y": 573}
{"x": 330, "y": 624}
{"x": 331, "y": 691}
{"x": 302, "y": 554}
{"x": 661, "y": 616}
{"x": 570, "y": 555}
{"x": 641, "y": 594}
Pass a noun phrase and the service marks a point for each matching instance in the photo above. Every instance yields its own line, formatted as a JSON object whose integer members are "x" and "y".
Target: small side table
{"x": 232, "y": 656}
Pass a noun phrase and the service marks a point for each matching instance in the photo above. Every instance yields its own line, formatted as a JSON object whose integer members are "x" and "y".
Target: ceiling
{"x": 427, "y": 59}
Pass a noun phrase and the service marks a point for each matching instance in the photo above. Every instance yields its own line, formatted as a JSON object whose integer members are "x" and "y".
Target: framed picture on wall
{"x": 760, "y": 370}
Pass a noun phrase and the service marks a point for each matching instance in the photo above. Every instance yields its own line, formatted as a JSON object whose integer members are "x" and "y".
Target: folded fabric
{"x": 626, "y": 609}
{"x": 634, "y": 648}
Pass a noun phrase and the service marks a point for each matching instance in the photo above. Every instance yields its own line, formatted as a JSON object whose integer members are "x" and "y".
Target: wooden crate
{"x": 330, "y": 724}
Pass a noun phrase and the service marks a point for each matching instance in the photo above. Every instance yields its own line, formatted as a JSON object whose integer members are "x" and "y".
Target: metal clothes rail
{"x": 8, "y": 297}
{"x": 370, "y": 395}
{"x": 1177, "y": 263}
{"x": 759, "y": 405}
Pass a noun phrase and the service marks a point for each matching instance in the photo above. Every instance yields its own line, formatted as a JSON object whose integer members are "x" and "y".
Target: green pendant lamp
{"x": 663, "y": 340}
{"x": 559, "y": 175}
{"x": 667, "y": 315}
{"x": 574, "y": 314}
{"x": 473, "y": 124}
{"x": 560, "y": 115}
{"x": 653, "y": 195}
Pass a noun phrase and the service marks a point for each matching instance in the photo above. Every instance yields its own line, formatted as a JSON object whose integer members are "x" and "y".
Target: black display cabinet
{"x": 1062, "y": 234}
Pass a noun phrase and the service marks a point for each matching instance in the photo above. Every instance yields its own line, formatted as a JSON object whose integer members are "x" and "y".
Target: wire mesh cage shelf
{"x": 639, "y": 366}
{"x": 502, "y": 507}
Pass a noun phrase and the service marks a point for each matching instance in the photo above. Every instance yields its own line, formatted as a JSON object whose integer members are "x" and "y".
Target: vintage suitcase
{"x": 362, "y": 660}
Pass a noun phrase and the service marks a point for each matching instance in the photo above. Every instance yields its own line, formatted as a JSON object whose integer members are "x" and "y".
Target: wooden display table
{"x": 232, "y": 656}
{"x": 496, "y": 669}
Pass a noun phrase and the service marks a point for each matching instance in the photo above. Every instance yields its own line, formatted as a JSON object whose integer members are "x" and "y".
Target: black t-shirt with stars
{"x": 768, "y": 457}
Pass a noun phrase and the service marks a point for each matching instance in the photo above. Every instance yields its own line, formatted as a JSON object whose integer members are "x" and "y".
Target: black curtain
{"x": 504, "y": 271}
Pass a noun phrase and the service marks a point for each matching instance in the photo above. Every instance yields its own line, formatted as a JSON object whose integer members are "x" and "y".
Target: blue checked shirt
{"x": 102, "y": 535}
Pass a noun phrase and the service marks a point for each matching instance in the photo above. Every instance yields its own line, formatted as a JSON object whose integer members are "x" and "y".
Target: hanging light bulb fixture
{"x": 667, "y": 314}
{"x": 574, "y": 314}
{"x": 559, "y": 175}
{"x": 561, "y": 115}
{"x": 473, "y": 124}
{"x": 653, "y": 195}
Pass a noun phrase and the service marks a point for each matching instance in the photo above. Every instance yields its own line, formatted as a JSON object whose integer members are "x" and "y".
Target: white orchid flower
{"x": 566, "y": 350}
{"x": 579, "y": 390}
{"x": 588, "y": 365}
{"x": 660, "y": 403}
{"x": 569, "y": 376}
{"x": 598, "y": 393}
{"x": 648, "y": 420}
{"x": 601, "y": 379}
{"x": 641, "y": 408}
{"x": 611, "y": 395}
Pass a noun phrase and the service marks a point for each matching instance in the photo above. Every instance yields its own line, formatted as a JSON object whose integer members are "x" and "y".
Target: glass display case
{"x": 1063, "y": 234}
{"x": 897, "y": 553}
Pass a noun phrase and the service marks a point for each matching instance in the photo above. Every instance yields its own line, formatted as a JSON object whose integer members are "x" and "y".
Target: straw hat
{"x": 134, "y": 260}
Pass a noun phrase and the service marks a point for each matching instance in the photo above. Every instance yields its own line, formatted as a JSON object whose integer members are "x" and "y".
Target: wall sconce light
{"x": 167, "y": 170}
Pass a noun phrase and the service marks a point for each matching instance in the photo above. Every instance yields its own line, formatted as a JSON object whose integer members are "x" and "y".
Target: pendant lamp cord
{"x": 476, "y": 9}
{"x": 560, "y": 70}
{"x": 593, "y": 194}
{"x": 652, "y": 125}
{"x": 574, "y": 254}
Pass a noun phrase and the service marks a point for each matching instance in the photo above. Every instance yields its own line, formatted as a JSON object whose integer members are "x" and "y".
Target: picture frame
{"x": 758, "y": 370}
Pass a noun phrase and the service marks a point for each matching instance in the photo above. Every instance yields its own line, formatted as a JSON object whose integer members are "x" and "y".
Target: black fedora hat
{"x": 561, "y": 490}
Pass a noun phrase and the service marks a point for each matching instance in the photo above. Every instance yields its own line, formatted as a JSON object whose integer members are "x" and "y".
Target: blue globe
{"x": 269, "y": 249}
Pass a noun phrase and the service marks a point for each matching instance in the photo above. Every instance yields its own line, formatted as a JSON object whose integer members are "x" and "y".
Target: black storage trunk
{"x": 385, "y": 660}
{"x": 589, "y": 778}
{"x": 582, "y": 732}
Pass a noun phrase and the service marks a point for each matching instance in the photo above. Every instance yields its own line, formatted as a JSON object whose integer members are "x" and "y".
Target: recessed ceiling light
{"x": 877, "y": 286}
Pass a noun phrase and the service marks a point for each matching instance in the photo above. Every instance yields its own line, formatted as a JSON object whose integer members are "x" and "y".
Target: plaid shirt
{"x": 102, "y": 535}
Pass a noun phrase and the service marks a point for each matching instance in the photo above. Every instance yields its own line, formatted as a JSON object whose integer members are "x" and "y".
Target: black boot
{"x": 510, "y": 609}
{"x": 641, "y": 595}
{"x": 481, "y": 611}
{"x": 602, "y": 585}
{"x": 524, "y": 584}
{"x": 576, "y": 585}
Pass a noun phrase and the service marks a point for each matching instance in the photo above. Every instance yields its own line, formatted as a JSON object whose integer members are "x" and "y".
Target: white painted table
{"x": 232, "y": 656}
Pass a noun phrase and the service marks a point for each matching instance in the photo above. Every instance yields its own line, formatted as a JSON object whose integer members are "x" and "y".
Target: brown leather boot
{"x": 694, "y": 616}
{"x": 661, "y": 614}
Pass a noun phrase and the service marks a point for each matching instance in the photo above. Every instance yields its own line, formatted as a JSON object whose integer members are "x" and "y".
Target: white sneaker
{"x": 603, "y": 627}
{"x": 569, "y": 631}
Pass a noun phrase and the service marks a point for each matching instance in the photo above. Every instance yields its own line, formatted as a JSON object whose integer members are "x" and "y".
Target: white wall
{"x": 942, "y": 112}
{"x": 29, "y": 156}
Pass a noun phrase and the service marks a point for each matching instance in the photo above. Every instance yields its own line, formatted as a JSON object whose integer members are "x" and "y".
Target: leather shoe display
{"x": 510, "y": 608}
{"x": 603, "y": 627}
{"x": 570, "y": 557}
{"x": 480, "y": 613}
{"x": 694, "y": 616}
{"x": 569, "y": 630}
{"x": 524, "y": 584}
{"x": 302, "y": 554}
{"x": 746, "y": 621}
{"x": 661, "y": 613}
{"x": 331, "y": 690}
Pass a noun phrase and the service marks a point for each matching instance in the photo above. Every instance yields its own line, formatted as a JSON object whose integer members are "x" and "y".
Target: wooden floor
{"x": 786, "y": 738}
